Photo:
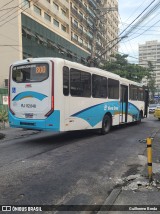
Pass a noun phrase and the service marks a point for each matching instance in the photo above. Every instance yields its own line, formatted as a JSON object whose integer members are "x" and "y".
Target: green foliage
{"x": 151, "y": 78}
{"x": 122, "y": 67}
{"x": 3, "y": 117}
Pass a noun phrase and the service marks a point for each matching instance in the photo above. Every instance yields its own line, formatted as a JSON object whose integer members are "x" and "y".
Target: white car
{"x": 152, "y": 108}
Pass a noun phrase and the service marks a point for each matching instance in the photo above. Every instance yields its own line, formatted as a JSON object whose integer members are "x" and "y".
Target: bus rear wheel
{"x": 106, "y": 124}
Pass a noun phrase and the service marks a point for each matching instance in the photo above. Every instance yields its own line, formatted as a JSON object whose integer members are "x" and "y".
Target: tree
{"x": 151, "y": 79}
{"x": 122, "y": 67}
{"x": 3, "y": 117}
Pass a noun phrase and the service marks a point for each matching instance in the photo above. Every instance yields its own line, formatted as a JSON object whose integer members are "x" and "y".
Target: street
{"x": 73, "y": 168}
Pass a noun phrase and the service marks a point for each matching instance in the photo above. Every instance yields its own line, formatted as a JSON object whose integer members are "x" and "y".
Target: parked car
{"x": 152, "y": 108}
{"x": 157, "y": 112}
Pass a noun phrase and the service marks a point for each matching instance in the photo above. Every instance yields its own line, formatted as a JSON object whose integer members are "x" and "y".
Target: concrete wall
{"x": 10, "y": 37}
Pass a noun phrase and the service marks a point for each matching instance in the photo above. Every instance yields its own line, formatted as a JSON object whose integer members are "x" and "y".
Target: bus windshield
{"x": 30, "y": 73}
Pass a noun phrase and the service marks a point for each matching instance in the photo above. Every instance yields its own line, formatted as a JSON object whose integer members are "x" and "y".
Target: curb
{"x": 110, "y": 200}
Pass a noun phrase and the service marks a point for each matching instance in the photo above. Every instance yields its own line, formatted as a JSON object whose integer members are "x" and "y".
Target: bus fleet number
{"x": 40, "y": 69}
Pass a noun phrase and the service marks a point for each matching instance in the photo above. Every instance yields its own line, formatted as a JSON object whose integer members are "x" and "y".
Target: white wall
{"x": 10, "y": 35}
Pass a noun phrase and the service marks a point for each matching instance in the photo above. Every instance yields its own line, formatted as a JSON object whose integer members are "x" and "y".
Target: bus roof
{"x": 75, "y": 64}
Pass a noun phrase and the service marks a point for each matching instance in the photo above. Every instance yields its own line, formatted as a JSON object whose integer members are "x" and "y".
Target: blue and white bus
{"x": 58, "y": 95}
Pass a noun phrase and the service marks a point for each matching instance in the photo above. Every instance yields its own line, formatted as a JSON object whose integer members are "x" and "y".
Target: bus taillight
{"x": 9, "y": 95}
{"x": 52, "y": 97}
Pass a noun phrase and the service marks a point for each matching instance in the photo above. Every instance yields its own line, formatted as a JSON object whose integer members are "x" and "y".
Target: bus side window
{"x": 113, "y": 89}
{"x": 99, "y": 86}
{"x": 65, "y": 81}
{"x": 133, "y": 92}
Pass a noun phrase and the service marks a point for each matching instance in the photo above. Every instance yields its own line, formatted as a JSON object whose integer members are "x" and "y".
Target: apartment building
{"x": 150, "y": 51}
{"x": 111, "y": 27}
{"x": 53, "y": 28}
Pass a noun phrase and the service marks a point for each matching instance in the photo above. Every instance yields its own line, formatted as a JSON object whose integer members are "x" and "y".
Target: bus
{"x": 55, "y": 94}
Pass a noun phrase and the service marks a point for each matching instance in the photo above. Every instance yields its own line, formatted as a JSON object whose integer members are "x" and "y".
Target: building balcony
{"x": 79, "y": 17}
{"x": 76, "y": 41}
{"x": 81, "y": 6}
{"x": 93, "y": 4}
{"x": 76, "y": 28}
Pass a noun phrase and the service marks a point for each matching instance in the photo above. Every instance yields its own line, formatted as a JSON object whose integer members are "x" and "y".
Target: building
{"x": 111, "y": 27}
{"x": 56, "y": 28}
{"x": 150, "y": 52}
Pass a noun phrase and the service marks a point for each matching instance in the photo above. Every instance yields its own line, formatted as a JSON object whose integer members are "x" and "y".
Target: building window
{"x": 80, "y": 13}
{"x": 63, "y": 12}
{"x": 41, "y": 40}
{"x": 85, "y": 5}
{"x": 75, "y": 23}
{"x": 75, "y": 37}
{"x": 55, "y": 6}
{"x": 55, "y": 22}
{"x": 81, "y": 40}
{"x": 27, "y": 33}
{"x": 47, "y": 17}
{"x": 81, "y": 27}
{"x": 76, "y": 8}
{"x": 25, "y": 4}
{"x": 37, "y": 10}
{"x": 63, "y": 28}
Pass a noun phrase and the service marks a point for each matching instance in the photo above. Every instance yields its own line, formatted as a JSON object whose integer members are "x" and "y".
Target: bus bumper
{"x": 51, "y": 123}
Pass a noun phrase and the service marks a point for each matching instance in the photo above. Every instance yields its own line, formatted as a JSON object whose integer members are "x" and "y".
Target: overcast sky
{"x": 128, "y": 11}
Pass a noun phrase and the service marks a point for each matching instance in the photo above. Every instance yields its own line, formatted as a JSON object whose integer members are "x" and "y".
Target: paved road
{"x": 70, "y": 168}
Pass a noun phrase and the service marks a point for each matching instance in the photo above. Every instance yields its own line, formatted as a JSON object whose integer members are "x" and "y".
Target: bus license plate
{"x": 28, "y": 115}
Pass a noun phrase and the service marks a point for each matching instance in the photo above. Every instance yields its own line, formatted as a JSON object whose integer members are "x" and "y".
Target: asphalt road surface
{"x": 74, "y": 168}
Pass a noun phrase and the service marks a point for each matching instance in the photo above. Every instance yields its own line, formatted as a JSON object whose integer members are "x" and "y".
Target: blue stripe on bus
{"x": 51, "y": 123}
{"x": 94, "y": 114}
{"x": 27, "y": 94}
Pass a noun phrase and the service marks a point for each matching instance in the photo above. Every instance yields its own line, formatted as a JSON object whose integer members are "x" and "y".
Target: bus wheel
{"x": 106, "y": 124}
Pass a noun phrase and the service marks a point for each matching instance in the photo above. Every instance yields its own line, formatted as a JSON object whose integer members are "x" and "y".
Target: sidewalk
{"x": 136, "y": 194}
{"x": 12, "y": 133}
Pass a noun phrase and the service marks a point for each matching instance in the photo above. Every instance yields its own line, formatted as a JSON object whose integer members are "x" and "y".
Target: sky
{"x": 148, "y": 30}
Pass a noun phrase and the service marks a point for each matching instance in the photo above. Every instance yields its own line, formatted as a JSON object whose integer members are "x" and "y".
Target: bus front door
{"x": 124, "y": 104}
{"x": 146, "y": 101}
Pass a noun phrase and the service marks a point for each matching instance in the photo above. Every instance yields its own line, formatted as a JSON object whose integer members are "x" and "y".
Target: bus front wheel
{"x": 106, "y": 124}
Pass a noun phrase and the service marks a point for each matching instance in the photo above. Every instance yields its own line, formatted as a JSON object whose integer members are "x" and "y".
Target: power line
{"x": 4, "y": 19}
{"x": 9, "y": 12}
{"x": 129, "y": 42}
{"x": 150, "y": 14}
{"x": 143, "y": 31}
{"x": 8, "y": 8}
{"x": 6, "y": 4}
{"x": 137, "y": 17}
{"x": 136, "y": 10}
{"x": 17, "y": 15}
